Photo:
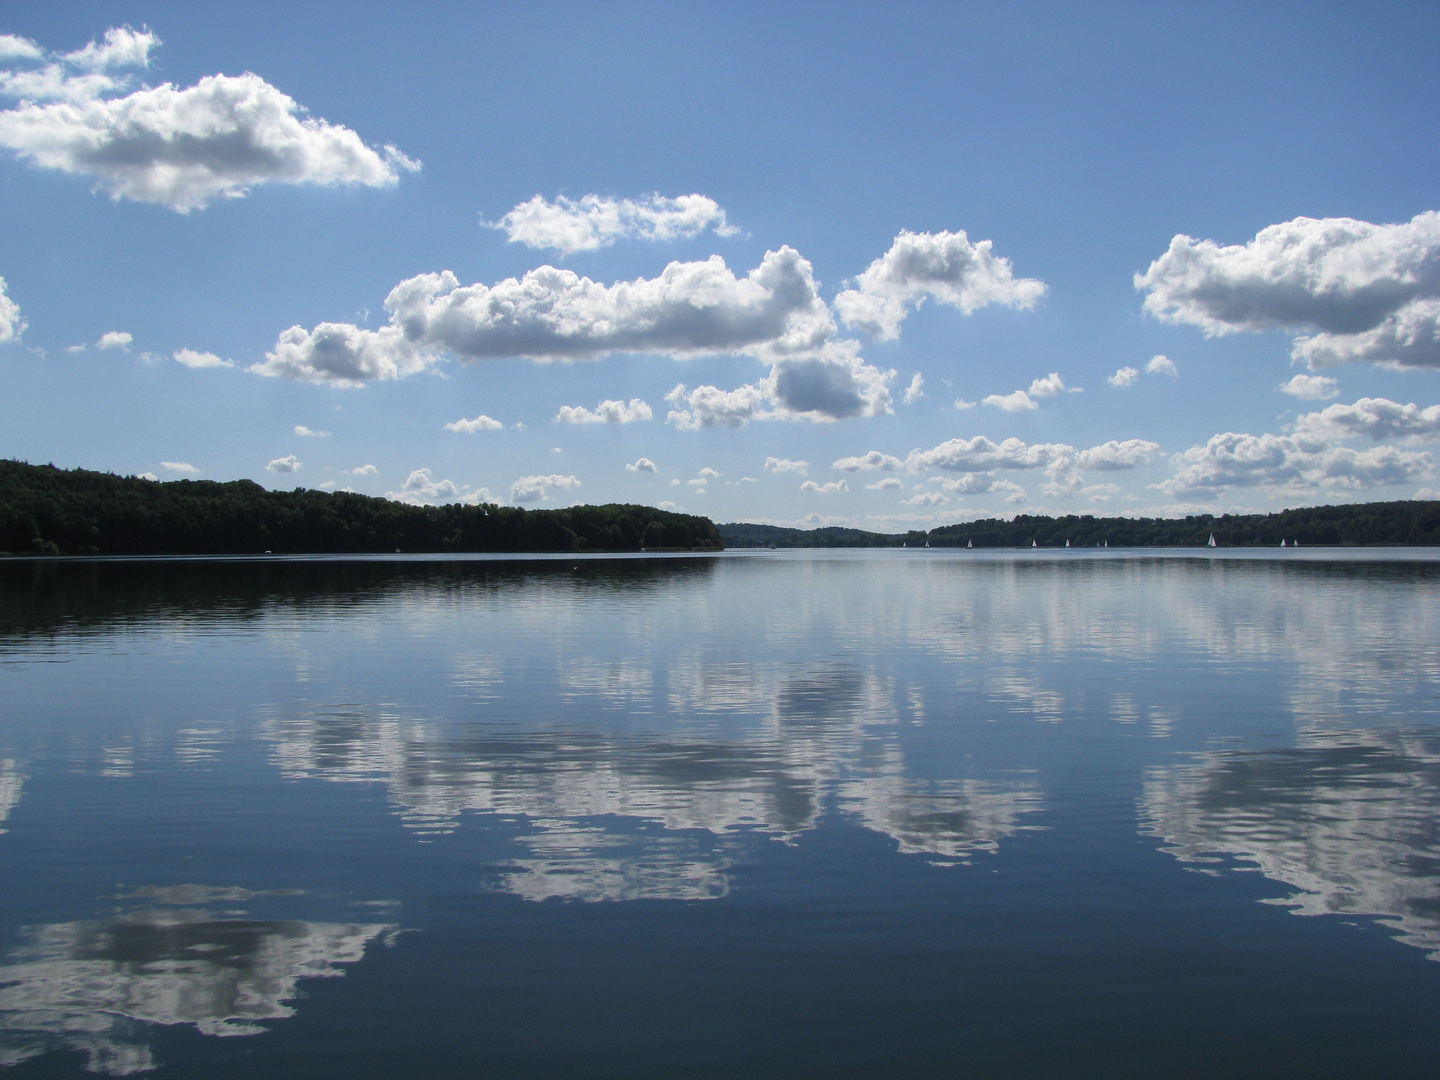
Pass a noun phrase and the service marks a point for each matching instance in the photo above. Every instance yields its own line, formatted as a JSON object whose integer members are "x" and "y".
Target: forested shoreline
{"x": 49, "y": 511}
{"x": 1382, "y": 524}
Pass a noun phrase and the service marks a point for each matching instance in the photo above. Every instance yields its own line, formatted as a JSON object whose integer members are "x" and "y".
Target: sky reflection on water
{"x": 1349, "y": 819}
{"x": 94, "y": 985}
{"x": 697, "y": 731}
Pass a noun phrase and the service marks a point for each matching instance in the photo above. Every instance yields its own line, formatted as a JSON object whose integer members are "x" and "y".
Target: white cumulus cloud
{"x": 1014, "y": 493}
{"x": 1351, "y": 290}
{"x": 874, "y": 459}
{"x": 973, "y": 483}
{"x": 287, "y": 464}
{"x": 1049, "y": 386}
{"x": 835, "y": 384}
{"x": 310, "y": 433}
{"x": 1310, "y": 387}
{"x": 180, "y": 467}
{"x": 480, "y": 423}
{"x": 1024, "y": 400}
{"x": 981, "y": 455}
{"x": 643, "y": 464}
{"x": 1113, "y": 455}
{"x": 774, "y": 464}
{"x": 607, "y": 412}
{"x": 691, "y": 309}
{"x": 889, "y": 483}
{"x": 537, "y": 488}
{"x": 12, "y": 325}
{"x": 925, "y": 498}
{"x": 181, "y": 148}
{"x": 978, "y": 483}
{"x": 18, "y": 48}
{"x": 944, "y": 266}
{"x": 709, "y": 406}
{"x": 916, "y": 390}
{"x": 592, "y": 221}
{"x": 1019, "y": 401}
{"x": 1156, "y": 365}
{"x": 121, "y": 47}
{"x": 364, "y": 470}
{"x": 1066, "y": 472}
{"x": 343, "y": 355}
{"x": 1374, "y": 418}
{"x": 422, "y": 489}
{"x": 76, "y": 76}
{"x": 825, "y": 489}
{"x": 192, "y": 358}
{"x": 114, "y": 339}
{"x": 1064, "y": 465}
{"x": 1295, "y": 464}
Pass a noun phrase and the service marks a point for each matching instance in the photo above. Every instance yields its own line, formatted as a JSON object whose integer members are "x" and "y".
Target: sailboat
{"x": 1033, "y": 544}
{"x": 1067, "y": 543}
{"x": 969, "y": 543}
{"x": 1212, "y": 541}
{"x": 1282, "y": 543}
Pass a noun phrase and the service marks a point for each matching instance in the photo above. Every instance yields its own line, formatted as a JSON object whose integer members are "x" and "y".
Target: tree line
{"x": 1408, "y": 523}
{"x": 49, "y": 511}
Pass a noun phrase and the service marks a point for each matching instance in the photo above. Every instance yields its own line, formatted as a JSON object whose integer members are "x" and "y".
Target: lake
{"x": 762, "y": 814}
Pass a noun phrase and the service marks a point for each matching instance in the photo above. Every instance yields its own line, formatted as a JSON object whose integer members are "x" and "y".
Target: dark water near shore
{"x": 775, "y": 814}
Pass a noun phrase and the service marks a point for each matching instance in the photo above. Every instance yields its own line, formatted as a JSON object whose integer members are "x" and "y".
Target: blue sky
{"x": 720, "y": 244}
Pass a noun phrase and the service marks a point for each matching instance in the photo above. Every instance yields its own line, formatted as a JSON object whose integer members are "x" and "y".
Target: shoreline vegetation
{"x": 45, "y": 510}
{"x": 50, "y": 511}
{"x": 1414, "y": 523}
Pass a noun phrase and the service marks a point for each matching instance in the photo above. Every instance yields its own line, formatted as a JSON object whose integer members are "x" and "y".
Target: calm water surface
{"x": 791, "y": 814}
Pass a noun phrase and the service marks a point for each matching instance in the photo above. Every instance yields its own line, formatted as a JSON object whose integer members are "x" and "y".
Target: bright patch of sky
{"x": 1122, "y": 259}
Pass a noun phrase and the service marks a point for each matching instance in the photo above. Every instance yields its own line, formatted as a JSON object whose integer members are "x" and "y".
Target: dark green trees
{"x": 45, "y": 510}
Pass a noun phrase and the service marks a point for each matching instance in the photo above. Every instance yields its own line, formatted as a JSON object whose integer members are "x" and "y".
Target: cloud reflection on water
{"x": 1348, "y": 819}
{"x": 590, "y": 797}
{"x": 11, "y": 781}
{"x": 97, "y": 986}
{"x": 595, "y": 704}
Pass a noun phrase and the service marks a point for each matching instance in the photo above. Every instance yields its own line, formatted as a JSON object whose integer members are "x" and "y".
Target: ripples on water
{"x": 780, "y": 814}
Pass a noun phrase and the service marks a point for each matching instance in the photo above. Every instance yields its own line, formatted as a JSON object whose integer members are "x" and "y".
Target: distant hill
{"x": 1410, "y": 523}
{"x": 50, "y": 511}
